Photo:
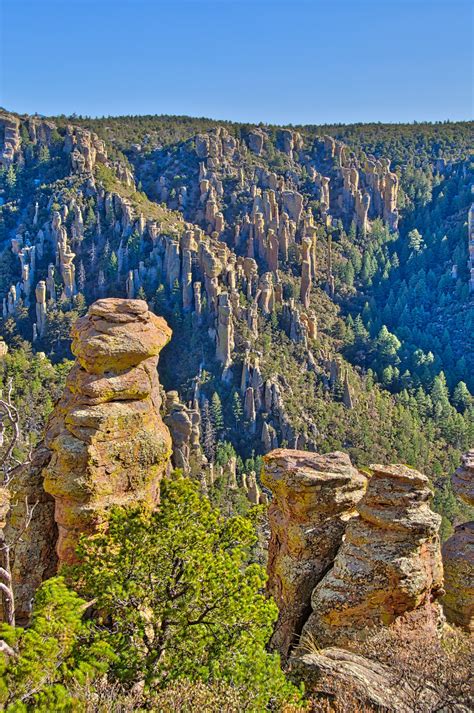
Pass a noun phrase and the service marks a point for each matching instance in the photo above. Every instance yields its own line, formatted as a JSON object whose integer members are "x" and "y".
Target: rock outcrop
{"x": 32, "y": 531}
{"x": 184, "y": 425}
{"x": 389, "y": 563}
{"x": 458, "y": 554}
{"x": 109, "y": 444}
{"x": 458, "y": 561}
{"x": 333, "y": 670}
{"x": 463, "y": 478}
{"x": 313, "y": 498}
{"x": 11, "y": 138}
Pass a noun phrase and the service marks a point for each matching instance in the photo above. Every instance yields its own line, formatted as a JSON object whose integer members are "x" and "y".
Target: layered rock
{"x": 109, "y": 444}
{"x": 313, "y": 498}
{"x": 388, "y": 564}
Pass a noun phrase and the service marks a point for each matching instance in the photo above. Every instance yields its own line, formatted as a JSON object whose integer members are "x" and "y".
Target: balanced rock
{"x": 313, "y": 498}
{"x": 389, "y": 562}
{"x": 109, "y": 444}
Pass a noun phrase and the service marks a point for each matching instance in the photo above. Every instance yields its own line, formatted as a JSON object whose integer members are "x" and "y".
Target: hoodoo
{"x": 109, "y": 443}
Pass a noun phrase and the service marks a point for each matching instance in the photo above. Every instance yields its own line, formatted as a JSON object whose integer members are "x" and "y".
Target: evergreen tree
{"x": 415, "y": 240}
{"x": 81, "y": 276}
{"x": 10, "y": 178}
{"x": 462, "y": 398}
{"x": 58, "y": 650}
{"x": 185, "y": 568}
{"x": 43, "y": 154}
{"x": 217, "y": 417}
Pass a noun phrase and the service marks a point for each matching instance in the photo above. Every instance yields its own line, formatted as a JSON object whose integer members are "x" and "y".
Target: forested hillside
{"x": 316, "y": 279}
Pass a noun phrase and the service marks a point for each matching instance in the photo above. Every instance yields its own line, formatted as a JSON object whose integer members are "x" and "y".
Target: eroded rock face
{"x": 109, "y": 444}
{"x": 313, "y": 498}
{"x": 458, "y": 561}
{"x": 389, "y": 562}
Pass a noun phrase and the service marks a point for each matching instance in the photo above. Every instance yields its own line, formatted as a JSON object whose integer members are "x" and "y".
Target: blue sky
{"x": 275, "y": 61}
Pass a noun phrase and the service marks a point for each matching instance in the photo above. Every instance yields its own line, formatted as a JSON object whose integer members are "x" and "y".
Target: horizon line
{"x": 83, "y": 117}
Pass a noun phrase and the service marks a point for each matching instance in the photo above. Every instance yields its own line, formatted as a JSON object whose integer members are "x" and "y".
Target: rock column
{"x": 313, "y": 498}
{"x": 388, "y": 565}
{"x": 109, "y": 445}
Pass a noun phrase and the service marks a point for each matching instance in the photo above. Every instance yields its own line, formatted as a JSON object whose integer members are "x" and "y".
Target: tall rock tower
{"x": 105, "y": 443}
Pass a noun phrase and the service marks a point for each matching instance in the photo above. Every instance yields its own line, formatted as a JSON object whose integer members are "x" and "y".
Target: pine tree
{"x": 10, "y": 178}
{"x": 216, "y": 414}
{"x": 113, "y": 263}
{"x": 187, "y": 567}
{"x": 57, "y": 651}
{"x": 237, "y": 408}
{"x": 462, "y": 398}
{"x": 43, "y": 155}
{"x": 93, "y": 254}
{"x": 415, "y": 240}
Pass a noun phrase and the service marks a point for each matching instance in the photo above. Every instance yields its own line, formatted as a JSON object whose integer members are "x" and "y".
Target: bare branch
{"x": 6, "y": 649}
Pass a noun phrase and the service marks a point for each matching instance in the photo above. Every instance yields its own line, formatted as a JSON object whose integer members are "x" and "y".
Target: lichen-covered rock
{"x": 458, "y": 554}
{"x": 334, "y": 670}
{"x": 109, "y": 444}
{"x": 31, "y": 531}
{"x": 463, "y": 478}
{"x": 117, "y": 334}
{"x": 313, "y": 498}
{"x": 389, "y": 562}
{"x": 458, "y": 562}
